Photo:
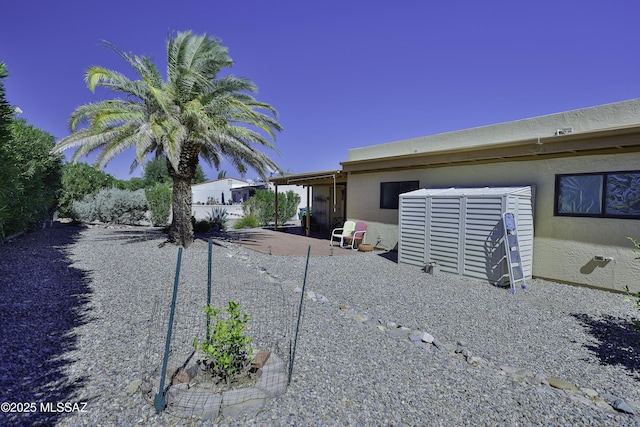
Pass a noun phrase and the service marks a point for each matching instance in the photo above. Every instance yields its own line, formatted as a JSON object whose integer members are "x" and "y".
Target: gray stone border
{"x": 426, "y": 341}
{"x": 186, "y": 401}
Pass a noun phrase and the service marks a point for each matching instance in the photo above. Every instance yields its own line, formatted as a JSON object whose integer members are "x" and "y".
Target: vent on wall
{"x": 563, "y": 131}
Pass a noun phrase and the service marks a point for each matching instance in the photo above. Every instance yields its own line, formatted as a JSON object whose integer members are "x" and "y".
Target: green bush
{"x": 132, "y": 184}
{"x": 159, "y": 202}
{"x": 247, "y": 221}
{"x": 84, "y": 210}
{"x": 226, "y": 348}
{"x": 112, "y": 206}
{"x": 156, "y": 171}
{"x": 218, "y": 219}
{"x": 78, "y": 181}
{"x": 262, "y": 205}
{"x": 287, "y": 206}
{"x": 201, "y": 225}
{"x": 29, "y": 175}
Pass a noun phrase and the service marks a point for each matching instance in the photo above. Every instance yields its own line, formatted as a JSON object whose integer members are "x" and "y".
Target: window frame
{"x": 400, "y": 187}
{"x": 604, "y": 195}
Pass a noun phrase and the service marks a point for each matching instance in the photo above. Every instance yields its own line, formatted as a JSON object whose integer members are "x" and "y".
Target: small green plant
{"x": 227, "y": 348}
{"x": 218, "y": 219}
{"x": 636, "y": 324}
{"x": 247, "y": 221}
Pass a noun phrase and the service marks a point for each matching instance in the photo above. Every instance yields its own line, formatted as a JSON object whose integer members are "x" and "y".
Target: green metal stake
{"x": 160, "y": 401}
{"x": 295, "y": 340}
{"x": 209, "y": 290}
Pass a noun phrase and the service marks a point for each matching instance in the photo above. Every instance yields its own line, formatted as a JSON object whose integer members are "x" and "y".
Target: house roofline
{"x": 216, "y": 180}
{"x": 603, "y": 141}
{"x": 310, "y": 178}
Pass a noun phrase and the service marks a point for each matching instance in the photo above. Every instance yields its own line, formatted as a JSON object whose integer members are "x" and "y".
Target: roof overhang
{"x": 608, "y": 141}
{"x": 311, "y": 178}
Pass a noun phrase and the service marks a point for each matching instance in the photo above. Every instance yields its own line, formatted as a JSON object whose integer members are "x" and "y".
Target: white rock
{"x": 427, "y": 337}
{"x": 589, "y": 392}
{"x": 133, "y": 387}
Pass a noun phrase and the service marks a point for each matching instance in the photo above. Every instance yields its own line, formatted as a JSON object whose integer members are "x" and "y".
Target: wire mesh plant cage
{"x": 189, "y": 390}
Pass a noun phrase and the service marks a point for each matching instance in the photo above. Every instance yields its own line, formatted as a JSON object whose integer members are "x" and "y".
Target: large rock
{"x": 562, "y": 384}
{"x": 179, "y": 377}
{"x": 202, "y": 404}
{"x": 244, "y": 402}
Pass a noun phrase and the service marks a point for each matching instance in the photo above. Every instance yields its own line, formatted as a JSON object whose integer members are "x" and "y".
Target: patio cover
{"x": 309, "y": 179}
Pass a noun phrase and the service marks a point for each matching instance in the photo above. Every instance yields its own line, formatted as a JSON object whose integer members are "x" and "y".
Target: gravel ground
{"x": 75, "y": 305}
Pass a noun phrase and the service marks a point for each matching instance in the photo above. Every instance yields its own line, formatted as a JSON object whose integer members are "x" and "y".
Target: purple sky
{"x": 342, "y": 74}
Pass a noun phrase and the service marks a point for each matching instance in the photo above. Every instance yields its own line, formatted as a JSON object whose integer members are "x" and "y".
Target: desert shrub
{"x": 84, "y": 210}
{"x": 78, "y": 181}
{"x": 112, "y": 206}
{"x": 159, "y": 202}
{"x": 287, "y": 205}
{"x": 218, "y": 219}
{"x": 247, "y": 221}
{"x": 262, "y": 206}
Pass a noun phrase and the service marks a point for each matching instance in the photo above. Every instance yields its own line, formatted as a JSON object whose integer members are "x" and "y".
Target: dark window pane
{"x": 580, "y": 194}
{"x": 389, "y": 192}
{"x": 623, "y": 194}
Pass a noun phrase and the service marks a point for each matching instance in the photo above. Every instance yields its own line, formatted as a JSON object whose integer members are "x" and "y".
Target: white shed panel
{"x": 461, "y": 230}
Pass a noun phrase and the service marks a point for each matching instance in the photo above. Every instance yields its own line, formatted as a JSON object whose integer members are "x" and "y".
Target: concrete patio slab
{"x": 287, "y": 242}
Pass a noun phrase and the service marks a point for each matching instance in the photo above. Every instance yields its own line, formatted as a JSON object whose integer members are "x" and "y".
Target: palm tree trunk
{"x": 181, "y": 230}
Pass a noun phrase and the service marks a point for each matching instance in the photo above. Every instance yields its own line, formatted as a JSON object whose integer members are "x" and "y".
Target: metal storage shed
{"x": 461, "y": 230}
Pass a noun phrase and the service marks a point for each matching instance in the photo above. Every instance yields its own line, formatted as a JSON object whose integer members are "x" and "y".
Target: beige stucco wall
{"x": 564, "y": 247}
{"x": 606, "y": 116}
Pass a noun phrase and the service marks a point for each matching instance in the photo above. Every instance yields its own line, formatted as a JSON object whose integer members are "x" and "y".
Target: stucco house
{"x": 324, "y": 196}
{"x": 584, "y": 167}
{"x": 232, "y": 191}
{"x": 218, "y": 191}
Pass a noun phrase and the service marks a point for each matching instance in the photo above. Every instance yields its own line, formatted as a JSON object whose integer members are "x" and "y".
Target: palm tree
{"x": 192, "y": 115}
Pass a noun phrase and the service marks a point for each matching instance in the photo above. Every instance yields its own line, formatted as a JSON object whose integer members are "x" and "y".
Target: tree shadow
{"x": 134, "y": 235}
{"x": 42, "y": 300}
{"x": 616, "y": 342}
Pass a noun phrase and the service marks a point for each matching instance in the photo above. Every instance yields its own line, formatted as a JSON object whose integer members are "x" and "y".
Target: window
{"x": 606, "y": 195}
{"x": 389, "y": 192}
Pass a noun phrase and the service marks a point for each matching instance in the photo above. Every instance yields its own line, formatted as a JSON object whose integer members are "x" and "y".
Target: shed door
{"x": 483, "y": 248}
{"x": 412, "y": 238}
{"x": 444, "y": 234}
